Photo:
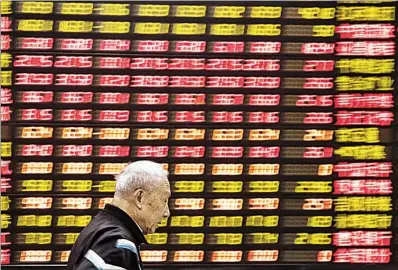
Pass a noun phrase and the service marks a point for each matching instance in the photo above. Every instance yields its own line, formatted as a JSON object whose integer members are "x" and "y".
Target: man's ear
{"x": 138, "y": 197}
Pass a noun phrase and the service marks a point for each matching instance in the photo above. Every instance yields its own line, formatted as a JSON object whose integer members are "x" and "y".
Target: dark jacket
{"x": 110, "y": 241}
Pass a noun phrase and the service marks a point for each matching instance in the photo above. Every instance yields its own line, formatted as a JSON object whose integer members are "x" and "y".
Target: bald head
{"x": 143, "y": 191}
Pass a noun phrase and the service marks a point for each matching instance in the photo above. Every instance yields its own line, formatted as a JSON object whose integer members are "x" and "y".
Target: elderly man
{"x": 112, "y": 239}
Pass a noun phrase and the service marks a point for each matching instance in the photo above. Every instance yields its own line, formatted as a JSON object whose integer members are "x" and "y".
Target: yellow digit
{"x": 358, "y": 134}
{"x": 153, "y": 10}
{"x": 229, "y": 238}
{"x": 320, "y": 221}
{"x": 37, "y": 7}
{"x": 75, "y": 26}
{"x": 76, "y": 185}
{"x": 313, "y": 239}
{"x": 254, "y": 221}
{"x": 157, "y": 238}
{"x": 22, "y": 220}
{"x": 327, "y": 13}
{"x": 384, "y": 83}
{"x": 191, "y": 11}
{"x": 44, "y": 221}
{"x": 70, "y": 238}
{"x": 107, "y": 186}
{"x": 197, "y": 238}
{"x": 62, "y": 220}
{"x": 77, "y": 8}
{"x": 271, "y": 221}
{"x": 345, "y": 65}
{"x": 323, "y": 30}
{"x": 376, "y": 151}
{"x": 189, "y": 29}
{"x": 114, "y": 9}
{"x": 309, "y": 13}
{"x": 383, "y": 66}
{"x": 317, "y": 13}
{"x": 189, "y": 186}
{"x": 227, "y": 29}
{"x": 265, "y": 238}
{"x": 82, "y": 221}
{"x": 44, "y": 238}
{"x": 313, "y": 187}
{"x": 372, "y": 135}
{"x": 227, "y": 187}
{"x": 163, "y": 223}
{"x": 30, "y": 238}
{"x": 263, "y": 30}
{"x": 320, "y": 239}
{"x": 366, "y": 13}
{"x": 197, "y": 221}
{"x": 114, "y": 27}
{"x": 190, "y": 238}
{"x": 151, "y": 28}
{"x": 362, "y": 65}
{"x": 186, "y": 221}
{"x": 264, "y": 186}
{"x": 218, "y": 221}
{"x": 383, "y": 221}
{"x": 184, "y": 238}
{"x": 234, "y": 221}
{"x": 229, "y": 12}
{"x": 302, "y": 239}
{"x": 264, "y": 12}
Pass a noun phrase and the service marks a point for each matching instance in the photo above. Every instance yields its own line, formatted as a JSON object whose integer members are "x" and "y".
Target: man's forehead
{"x": 167, "y": 187}
{"x": 164, "y": 185}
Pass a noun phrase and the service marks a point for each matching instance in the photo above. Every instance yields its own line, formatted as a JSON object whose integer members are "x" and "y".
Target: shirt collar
{"x": 127, "y": 221}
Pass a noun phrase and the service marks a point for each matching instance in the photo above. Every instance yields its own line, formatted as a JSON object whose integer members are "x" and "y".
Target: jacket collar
{"x": 127, "y": 221}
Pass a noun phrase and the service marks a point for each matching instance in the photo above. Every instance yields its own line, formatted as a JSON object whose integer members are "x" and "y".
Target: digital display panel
{"x": 276, "y": 121}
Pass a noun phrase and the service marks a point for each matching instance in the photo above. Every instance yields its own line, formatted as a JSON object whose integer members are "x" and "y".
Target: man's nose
{"x": 167, "y": 212}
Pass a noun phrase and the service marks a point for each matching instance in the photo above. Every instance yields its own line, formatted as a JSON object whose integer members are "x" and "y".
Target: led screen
{"x": 275, "y": 119}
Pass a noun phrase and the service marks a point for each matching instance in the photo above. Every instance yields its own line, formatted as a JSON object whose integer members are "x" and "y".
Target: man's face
{"x": 156, "y": 206}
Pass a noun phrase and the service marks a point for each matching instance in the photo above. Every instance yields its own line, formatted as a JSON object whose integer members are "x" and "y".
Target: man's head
{"x": 143, "y": 190}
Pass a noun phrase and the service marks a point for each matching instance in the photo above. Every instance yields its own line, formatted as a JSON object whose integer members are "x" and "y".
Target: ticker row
{"x": 351, "y": 238}
{"x": 358, "y": 152}
{"x": 342, "y": 169}
{"x": 197, "y": 65}
{"x": 123, "y": 99}
{"x": 340, "y": 118}
{"x": 342, "y": 135}
{"x": 227, "y": 188}
{"x": 123, "y": 81}
{"x": 342, "y": 48}
{"x": 342, "y": 255}
{"x": 341, "y": 13}
{"x": 197, "y": 223}
{"x": 259, "y": 202}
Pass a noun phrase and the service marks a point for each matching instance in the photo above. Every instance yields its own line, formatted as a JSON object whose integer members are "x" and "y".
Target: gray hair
{"x": 142, "y": 174}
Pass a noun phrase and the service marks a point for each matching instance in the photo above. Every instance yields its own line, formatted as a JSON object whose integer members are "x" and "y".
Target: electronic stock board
{"x": 275, "y": 119}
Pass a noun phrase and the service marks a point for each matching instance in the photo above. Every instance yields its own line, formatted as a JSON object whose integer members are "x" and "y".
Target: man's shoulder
{"x": 104, "y": 225}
